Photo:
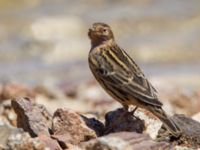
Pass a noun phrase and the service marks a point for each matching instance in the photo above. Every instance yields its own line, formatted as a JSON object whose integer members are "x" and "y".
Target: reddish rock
{"x": 49, "y": 142}
{"x": 63, "y": 140}
{"x": 32, "y": 117}
{"x": 69, "y": 127}
{"x": 124, "y": 141}
{"x": 19, "y": 140}
{"x": 12, "y": 90}
{"x": 119, "y": 120}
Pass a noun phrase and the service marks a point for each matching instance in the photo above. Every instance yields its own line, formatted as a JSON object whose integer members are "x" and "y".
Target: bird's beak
{"x": 90, "y": 31}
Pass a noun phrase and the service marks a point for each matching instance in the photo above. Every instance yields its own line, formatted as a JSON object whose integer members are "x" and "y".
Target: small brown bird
{"x": 121, "y": 77}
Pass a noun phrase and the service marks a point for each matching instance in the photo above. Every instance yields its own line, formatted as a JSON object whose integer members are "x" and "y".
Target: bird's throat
{"x": 98, "y": 42}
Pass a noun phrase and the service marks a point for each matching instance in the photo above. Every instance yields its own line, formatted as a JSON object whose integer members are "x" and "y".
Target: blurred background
{"x": 44, "y": 42}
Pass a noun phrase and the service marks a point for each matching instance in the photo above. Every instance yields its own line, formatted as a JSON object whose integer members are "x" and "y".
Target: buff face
{"x": 100, "y": 32}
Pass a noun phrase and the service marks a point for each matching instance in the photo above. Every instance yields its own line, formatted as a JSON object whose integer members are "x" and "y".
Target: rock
{"x": 119, "y": 120}
{"x": 16, "y": 139}
{"x": 63, "y": 142}
{"x": 69, "y": 128}
{"x": 124, "y": 141}
{"x": 152, "y": 123}
{"x": 49, "y": 142}
{"x": 32, "y": 117}
{"x": 190, "y": 132}
{"x": 196, "y": 117}
{"x": 12, "y": 90}
{"x": 183, "y": 148}
{"x": 95, "y": 125}
{"x": 5, "y": 132}
{"x": 8, "y": 113}
{"x": 23, "y": 141}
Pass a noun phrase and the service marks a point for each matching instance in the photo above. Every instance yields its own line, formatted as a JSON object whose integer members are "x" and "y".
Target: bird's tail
{"x": 168, "y": 123}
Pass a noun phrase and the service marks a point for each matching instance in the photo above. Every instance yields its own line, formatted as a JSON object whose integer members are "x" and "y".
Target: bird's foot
{"x": 131, "y": 113}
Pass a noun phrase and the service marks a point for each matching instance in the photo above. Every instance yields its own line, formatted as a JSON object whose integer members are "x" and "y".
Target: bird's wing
{"x": 132, "y": 81}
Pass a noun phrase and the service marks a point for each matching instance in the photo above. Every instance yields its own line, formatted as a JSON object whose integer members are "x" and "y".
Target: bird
{"x": 121, "y": 77}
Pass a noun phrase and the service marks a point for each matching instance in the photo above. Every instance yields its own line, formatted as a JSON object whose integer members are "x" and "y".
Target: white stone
{"x": 152, "y": 124}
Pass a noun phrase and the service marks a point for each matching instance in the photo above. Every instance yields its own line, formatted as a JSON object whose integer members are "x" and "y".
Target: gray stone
{"x": 190, "y": 132}
{"x": 5, "y": 132}
{"x": 124, "y": 141}
{"x": 32, "y": 117}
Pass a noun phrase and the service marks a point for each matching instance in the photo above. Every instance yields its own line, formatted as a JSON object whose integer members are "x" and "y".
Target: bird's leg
{"x": 133, "y": 111}
{"x": 126, "y": 109}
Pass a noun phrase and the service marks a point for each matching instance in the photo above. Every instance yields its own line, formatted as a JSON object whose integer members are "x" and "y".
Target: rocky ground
{"x": 44, "y": 44}
{"x": 83, "y": 117}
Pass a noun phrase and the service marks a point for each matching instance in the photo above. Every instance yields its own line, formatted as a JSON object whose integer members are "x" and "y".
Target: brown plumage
{"x": 121, "y": 77}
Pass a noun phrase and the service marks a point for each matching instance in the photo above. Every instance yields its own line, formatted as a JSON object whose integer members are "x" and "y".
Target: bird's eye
{"x": 104, "y": 30}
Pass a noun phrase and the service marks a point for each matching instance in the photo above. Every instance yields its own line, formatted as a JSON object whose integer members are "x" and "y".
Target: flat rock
{"x": 190, "y": 132}
{"x": 69, "y": 128}
{"x": 118, "y": 120}
{"x": 124, "y": 141}
{"x": 32, "y": 117}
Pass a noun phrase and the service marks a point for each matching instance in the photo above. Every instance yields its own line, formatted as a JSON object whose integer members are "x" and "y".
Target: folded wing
{"x": 126, "y": 77}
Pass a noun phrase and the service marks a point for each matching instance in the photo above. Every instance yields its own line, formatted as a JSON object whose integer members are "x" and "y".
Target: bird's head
{"x": 99, "y": 33}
